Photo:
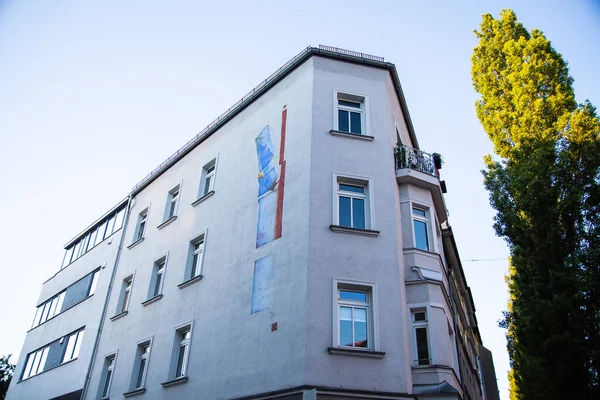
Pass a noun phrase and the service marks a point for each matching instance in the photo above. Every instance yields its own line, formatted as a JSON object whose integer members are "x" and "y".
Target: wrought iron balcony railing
{"x": 415, "y": 159}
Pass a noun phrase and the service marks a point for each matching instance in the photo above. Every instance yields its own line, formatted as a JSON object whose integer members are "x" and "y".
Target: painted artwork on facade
{"x": 271, "y": 181}
{"x": 262, "y": 286}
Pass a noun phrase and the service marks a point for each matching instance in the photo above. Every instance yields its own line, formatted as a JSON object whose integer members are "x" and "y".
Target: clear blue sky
{"x": 95, "y": 94}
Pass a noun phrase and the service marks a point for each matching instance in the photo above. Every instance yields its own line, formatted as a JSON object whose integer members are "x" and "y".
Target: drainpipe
{"x": 88, "y": 374}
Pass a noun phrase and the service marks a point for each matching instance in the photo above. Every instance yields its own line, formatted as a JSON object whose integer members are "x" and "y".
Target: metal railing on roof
{"x": 351, "y": 53}
{"x": 240, "y": 103}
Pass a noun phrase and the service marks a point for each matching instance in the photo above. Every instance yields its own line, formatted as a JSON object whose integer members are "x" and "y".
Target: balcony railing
{"x": 415, "y": 159}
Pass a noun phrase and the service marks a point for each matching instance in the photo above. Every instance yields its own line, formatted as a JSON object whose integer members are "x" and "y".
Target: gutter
{"x": 88, "y": 374}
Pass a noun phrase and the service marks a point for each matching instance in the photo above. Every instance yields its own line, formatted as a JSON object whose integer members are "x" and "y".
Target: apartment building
{"x": 297, "y": 248}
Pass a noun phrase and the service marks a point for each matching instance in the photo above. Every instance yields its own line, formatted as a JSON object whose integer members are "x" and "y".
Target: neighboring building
{"x": 297, "y": 248}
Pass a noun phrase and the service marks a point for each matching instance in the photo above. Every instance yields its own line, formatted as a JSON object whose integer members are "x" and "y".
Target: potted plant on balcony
{"x": 437, "y": 160}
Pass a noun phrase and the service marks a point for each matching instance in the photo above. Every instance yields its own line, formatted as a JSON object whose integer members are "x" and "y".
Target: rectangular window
{"x": 109, "y": 367}
{"x": 350, "y": 111}
{"x": 352, "y": 203}
{"x": 49, "y": 309}
{"x": 172, "y": 202}
{"x": 421, "y": 228}
{"x": 142, "y": 365}
{"x": 419, "y": 319}
{"x": 207, "y": 181}
{"x": 125, "y": 294}
{"x": 195, "y": 257}
{"x": 141, "y": 225}
{"x": 73, "y": 345}
{"x": 353, "y": 313}
{"x": 93, "y": 282}
{"x": 158, "y": 277}
{"x": 36, "y": 362}
{"x": 181, "y": 352}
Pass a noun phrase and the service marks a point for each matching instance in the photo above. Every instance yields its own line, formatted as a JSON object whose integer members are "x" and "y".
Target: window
{"x": 49, "y": 309}
{"x": 172, "y": 201}
{"x": 352, "y": 203}
{"x": 125, "y": 294}
{"x": 141, "y": 225}
{"x": 102, "y": 230}
{"x": 350, "y": 113}
{"x": 420, "y": 225}
{"x": 36, "y": 362}
{"x": 141, "y": 366}
{"x": 181, "y": 352}
{"x": 207, "y": 182}
{"x": 93, "y": 282}
{"x": 195, "y": 257}
{"x": 353, "y": 312}
{"x": 158, "y": 275}
{"x": 419, "y": 319}
{"x": 109, "y": 367}
{"x": 73, "y": 345}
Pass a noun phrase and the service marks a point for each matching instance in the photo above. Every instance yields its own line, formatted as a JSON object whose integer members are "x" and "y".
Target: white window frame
{"x": 208, "y": 176}
{"x": 73, "y": 352}
{"x": 142, "y": 225}
{"x": 106, "y": 381}
{"x": 354, "y": 180}
{"x": 141, "y": 357}
{"x": 93, "y": 283}
{"x": 372, "y": 311}
{"x": 201, "y": 237}
{"x": 125, "y": 295}
{"x": 428, "y": 224}
{"x": 173, "y": 200}
{"x": 419, "y": 325}
{"x": 35, "y": 359}
{"x": 159, "y": 268}
{"x": 178, "y": 342}
{"x": 362, "y": 99}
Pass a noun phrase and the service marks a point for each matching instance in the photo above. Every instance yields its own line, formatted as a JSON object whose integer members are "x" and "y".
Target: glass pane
{"x": 207, "y": 184}
{"x": 68, "y": 256}
{"x": 419, "y": 212}
{"x": 53, "y": 305}
{"x": 28, "y": 366}
{"x": 36, "y": 362}
{"x": 107, "y": 383}
{"x": 172, "y": 209}
{"x": 141, "y": 229}
{"x": 358, "y": 213}
{"x": 346, "y": 326}
{"x": 185, "y": 335}
{"x": 119, "y": 220}
{"x": 43, "y": 361}
{"x": 38, "y": 315}
{"x": 92, "y": 241}
{"x": 419, "y": 316}
{"x": 422, "y": 347}
{"x": 194, "y": 265}
{"x": 421, "y": 240}
{"x": 180, "y": 371}
{"x": 349, "y": 103}
{"x": 355, "y": 125}
{"x": 343, "y": 121}
{"x": 46, "y": 311}
{"x": 111, "y": 226}
{"x": 140, "y": 378}
{"x": 76, "y": 251}
{"x": 68, "y": 355}
{"x": 125, "y": 301}
{"x": 61, "y": 298}
{"x": 157, "y": 284}
{"x": 93, "y": 283}
{"x": 101, "y": 230}
{"x": 360, "y": 327}
{"x": 344, "y": 210}
{"x": 356, "y": 296}
{"x": 78, "y": 344}
{"x": 352, "y": 188}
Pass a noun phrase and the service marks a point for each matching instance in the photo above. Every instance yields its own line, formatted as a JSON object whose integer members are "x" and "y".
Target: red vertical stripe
{"x": 280, "y": 189}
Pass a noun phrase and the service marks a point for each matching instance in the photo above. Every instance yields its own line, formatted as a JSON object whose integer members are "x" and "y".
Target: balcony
{"x": 421, "y": 169}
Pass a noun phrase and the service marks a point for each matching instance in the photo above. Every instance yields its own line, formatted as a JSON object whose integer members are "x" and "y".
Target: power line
{"x": 486, "y": 259}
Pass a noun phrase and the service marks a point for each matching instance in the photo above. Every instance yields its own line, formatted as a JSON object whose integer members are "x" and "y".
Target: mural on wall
{"x": 262, "y": 286}
{"x": 271, "y": 181}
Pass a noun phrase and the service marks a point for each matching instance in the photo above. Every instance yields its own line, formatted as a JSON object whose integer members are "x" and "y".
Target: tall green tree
{"x": 544, "y": 183}
{"x": 6, "y": 372}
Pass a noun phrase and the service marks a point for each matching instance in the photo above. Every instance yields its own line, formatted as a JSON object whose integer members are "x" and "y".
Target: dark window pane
{"x": 349, "y": 103}
{"x": 157, "y": 284}
{"x": 180, "y": 371}
{"x": 207, "y": 185}
{"x": 343, "y": 121}
{"x": 101, "y": 230}
{"x": 140, "y": 378}
{"x": 360, "y": 327}
{"x": 352, "y": 188}
{"x": 346, "y": 326}
{"x": 111, "y": 226}
{"x": 420, "y": 316}
{"x": 422, "y": 347}
{"x": 345, "y": 211}
{"x": 356, "y": 296}
{"x": 358, "y": 213}
{"x": 106, "y": 384}
{"x": 119, "y": 220}
{"x": 421, "y": 240}
{"x": 419, "y": 212}
{"x": 355, "y": 126}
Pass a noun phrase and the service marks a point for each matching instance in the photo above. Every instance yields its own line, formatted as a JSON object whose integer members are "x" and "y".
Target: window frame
{"x": 175, "y": 351}
{"x": 416, "y": 361}
{"x": 142, "y": 360}
{"x": 423, "y": 219}
{"x": 208, "y": 175}
{"x": 106, "y": 379}
{"x": 159, "y": 268}
{"x": 125, "y": 294}
{"x": 78, "y": 334}
{"x": 368, "y": 197}
{"x": 141, "y": 225}
{"x": 173, "y": 201}
{"x": 372, "y": 312}
{"x": 199, "y": 238}
{"x": 363, "y": 111}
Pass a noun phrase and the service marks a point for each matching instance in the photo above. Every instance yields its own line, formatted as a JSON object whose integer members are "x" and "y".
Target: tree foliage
{"x": 6, "y": 372}
{"x": 544, "y": 183}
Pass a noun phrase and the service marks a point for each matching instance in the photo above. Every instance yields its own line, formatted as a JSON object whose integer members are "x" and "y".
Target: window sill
{"x": 152, "y": 299}
{"x": 175, "y": 381}
{"x": 132, "y": 245}
{"x": 354, "y": 231}
{"x": 167, "y": 222}
{"x": 190, "y": 281}
{"x": 201, "y": 199}
{"x": 339, "y": 351}
{"x": 119, "y": 315}
{"x": 358, "y": 136}
{"x": 134, "y": 392}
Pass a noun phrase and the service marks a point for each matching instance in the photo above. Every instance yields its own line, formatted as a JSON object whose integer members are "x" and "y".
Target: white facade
{"x": 280, "y": 258}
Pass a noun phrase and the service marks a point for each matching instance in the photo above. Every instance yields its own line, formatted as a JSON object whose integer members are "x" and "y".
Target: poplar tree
{"x": 544, "y": 182}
